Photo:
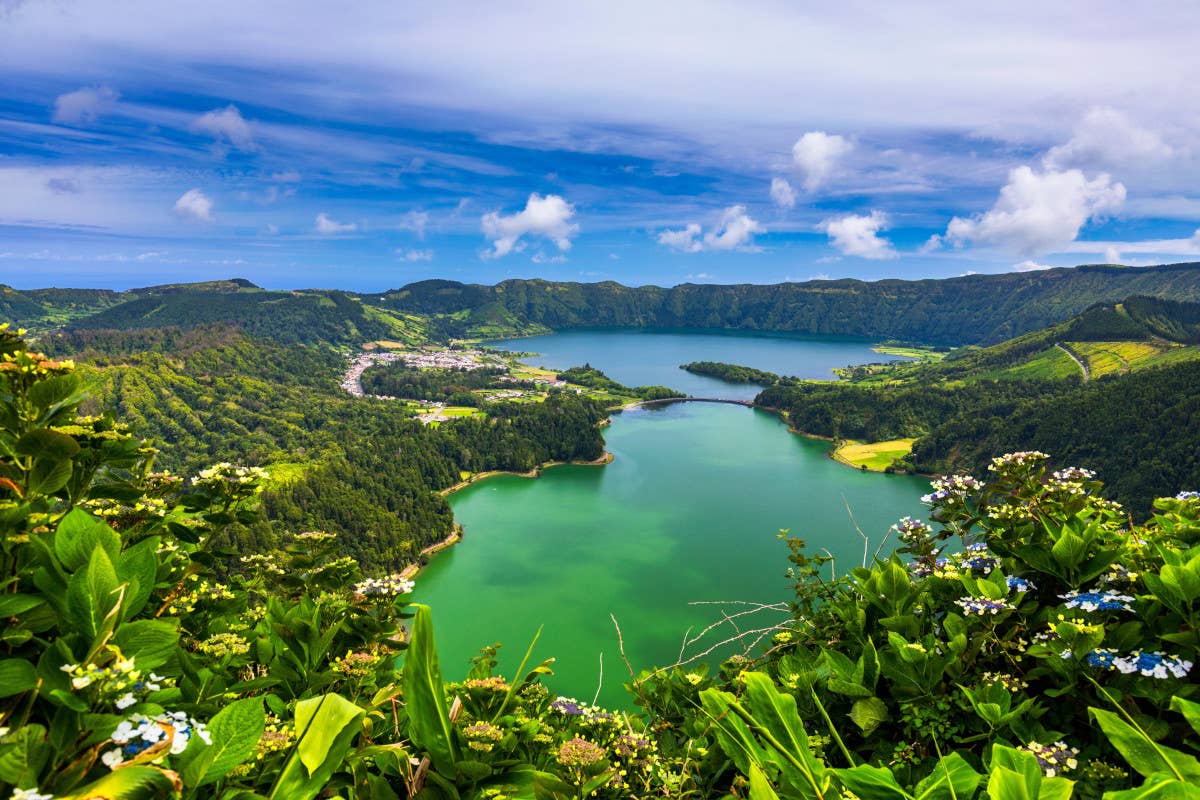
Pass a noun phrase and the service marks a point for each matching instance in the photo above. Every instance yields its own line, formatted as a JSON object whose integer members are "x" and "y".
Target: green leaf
{"x": 150, "y": 642}
{"x": 12, "y": 605}
{"x": 868, "y": 714}
{"x": 235, "y": 732}
{"x": 1070, "y": 550}
{"x": 45, "y": 443}
{"x": 1158, "y": 787}
{"x": 1190, "y": 711}
{"x": 327, "y": 725}
{"x": 425, "y": 696}
{"x": 952, "y": 779}
{"x": 876, "y": 783}
{"x": 129, "y": 783}
{"x": 24, "y": 753}
{"x": 92, "y": 595}
{"x": 138, "y": 567}
{"x": 1023, "y": 768}
{"x": 1142, "y": 753}
{"x": 78, "y": 534}
{"x": 760, "y": 787}
{"x": 16, "y": 675}
{"x": 1004, "y": 784}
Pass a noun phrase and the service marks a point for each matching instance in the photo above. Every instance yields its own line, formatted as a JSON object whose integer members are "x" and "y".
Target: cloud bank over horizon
{"x": 861, "y": 141}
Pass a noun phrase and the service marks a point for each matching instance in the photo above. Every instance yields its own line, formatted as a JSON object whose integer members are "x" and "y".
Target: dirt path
{"x": 1082, "y": 366}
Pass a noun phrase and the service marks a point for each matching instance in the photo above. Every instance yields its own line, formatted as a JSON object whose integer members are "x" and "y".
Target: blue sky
{"x": 305, "y": 144}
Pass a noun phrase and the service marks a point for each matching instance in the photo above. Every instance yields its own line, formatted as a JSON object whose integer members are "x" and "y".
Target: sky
{"x": 367, "y": 145}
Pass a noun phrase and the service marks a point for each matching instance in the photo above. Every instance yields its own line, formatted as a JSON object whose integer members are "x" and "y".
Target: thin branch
{"x": 854, "y": 522}
{"x": 600, "y": 683}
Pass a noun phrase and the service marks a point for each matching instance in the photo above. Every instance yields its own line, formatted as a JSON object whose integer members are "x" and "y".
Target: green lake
{"x": 688, "y": 512}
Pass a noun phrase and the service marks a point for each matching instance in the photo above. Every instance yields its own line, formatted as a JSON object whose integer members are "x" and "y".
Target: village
{"x": 468, "y": 360}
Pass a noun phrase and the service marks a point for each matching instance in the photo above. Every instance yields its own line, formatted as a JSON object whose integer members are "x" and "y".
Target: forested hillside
{"x": 362, "y": 467}
{"x": 1113, "y": 388}
{"x": 974, "y": 309}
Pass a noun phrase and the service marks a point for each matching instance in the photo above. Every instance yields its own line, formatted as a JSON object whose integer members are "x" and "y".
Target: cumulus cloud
{"x": 548, "y": 217}
{"x": 331, "y": 227}
{"x": 194, "y": 205}
{"x": 817, "y": 154}
{"x": 226, "y": 126}
{"x": 1107, "y": 138}
{"x": 1038, "y": 212}
{"x": 84, "y": 105}
{"x": 734, "y": 231}
{"x": 415, "y": 221}
{"x": 782, "y": 193}
{"x": 858, "y": 235}
{"x": 685, "y": 240}
{"x": 1030, "y": 266}
{"x": 414, "y": 255}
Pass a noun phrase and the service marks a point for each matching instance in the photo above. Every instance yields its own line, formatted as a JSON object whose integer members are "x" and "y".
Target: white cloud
{"x": 1030, "y": 266}
{"x": 698, "y": 276}
{"x": 226, "y": 125}
{"x": 548, "y": 216}
{"x": 817, "y": 154}
{"x": 288, "y": 176}
{"x": 734, "y": 231}
{"x": 782, "y": 193}
{"x": 330, "y": 227}
{"x": 414, "y": 255}
{"x": 415, "y": 221}
{"x": 1112, "y": 251}
{"x": 195, "y": 205}
{"x": 541, "y": 258}
{"x": 84, "y": 105}
{"x": 684, "y": 239}
{"x": 858, "y": 235}
{"x": 1106, "y": 137}
{"x": 1038, "y": 212}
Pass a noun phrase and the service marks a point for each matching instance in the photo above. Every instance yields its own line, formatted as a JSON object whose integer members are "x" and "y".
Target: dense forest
{"x": 732, "y": 373}
{"x": 973, "y": 309}
{"x": 361, "y": 467}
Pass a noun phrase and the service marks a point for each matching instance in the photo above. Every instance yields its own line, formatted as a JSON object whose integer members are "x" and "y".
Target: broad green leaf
{"x": 1142, "y": 753}
{"x": 733, "y": 734}
{"x": 16, "y": 675}
{"x": 92, "y": 595}
{"x": 760, "y": 787}
{"x": 1024, "y": 766}
{"x": 138, "y": 567}
{"x": 776, "y": 713}
{"x": 1158, "y": 787}
{"x": 235, "y": 732}
{"x": 952, "y": 778}
{"x": 425, "y": 696}
{"x": 327, "y": 726}
{"x": 877, "y": 783}
{"x": 1056, "y": 788}
{"x": 45, "y": 443}
{"x": 868, "y": 714}
{"x": 12, "y": 605}
{"x": 1190, "y": 711}
{"x": 129, "y": 783}
{"x": 24, "y": 754}
{"x": 150, "y": 642}
{"x": 48, "y": 476}
{"x": 78, "y": 534}
{"x": 1004, "y": 784}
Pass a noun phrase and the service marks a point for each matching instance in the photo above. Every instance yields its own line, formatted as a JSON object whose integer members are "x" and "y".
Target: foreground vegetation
{"x": 143, "y": 659}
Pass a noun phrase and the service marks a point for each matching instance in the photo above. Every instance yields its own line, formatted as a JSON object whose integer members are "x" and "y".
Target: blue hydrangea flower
{"x": 1098, "y": 601}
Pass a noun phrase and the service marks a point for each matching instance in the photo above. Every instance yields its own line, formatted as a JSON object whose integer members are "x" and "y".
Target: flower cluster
{"x": 1070, "y": 481}
{"x": 262, "y": 563}
{"x": 355, "y": 665}
{"x": 232, "y": 482}
{"x": 951, "y": 488}
{"x": 119, "y": 682}
{"x": 567, "y": 706}
{"x": 974, "y": 560}
{"x": 168, "y": 732}
{"x": 220, "y": 645}
{"x": 1188, "y": 496}
{"x": 981, "y": 606}
{"x": 1054, "y": 758}
{"x": 185, "y": 602}
{"x": 579, "y": 752}
{"x": 482, "y": 736}
{"x": 1151, "y": 665}
{"x": 1097, "y": 601}
{"x": 384, "y": 587}
{"x": 1010, "y": 682}
{"x": 911, "y": 531}
{"x": 1021, "y": 458}
{"x": 493, "y": 684}
{"x": 1119, "y": 573}
{"x": 1018, "y": 584}
{"x": 315, "y": 537}
{"x": 30, "y": 794}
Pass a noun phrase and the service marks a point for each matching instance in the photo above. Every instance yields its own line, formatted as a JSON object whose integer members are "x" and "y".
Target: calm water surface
{"x": 689, "y": 510}
{"x": 649, "y": 357}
